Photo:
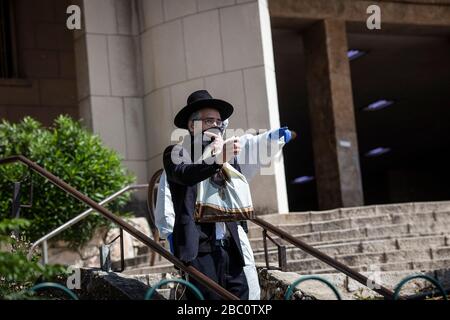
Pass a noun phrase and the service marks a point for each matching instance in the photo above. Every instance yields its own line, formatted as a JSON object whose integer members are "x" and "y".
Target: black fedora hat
{"x": 198, "y": 100}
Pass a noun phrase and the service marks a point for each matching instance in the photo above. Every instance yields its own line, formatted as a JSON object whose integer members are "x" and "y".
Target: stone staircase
{"x": 389, "y": 238}
{"x": 405, "y": 238}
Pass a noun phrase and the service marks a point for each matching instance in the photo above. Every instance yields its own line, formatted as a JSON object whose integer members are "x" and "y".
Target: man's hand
{"x": 224, "y": 150}
{"x": 231, "y": 148}
{"x": 284, "y": 132}
{"x": 217, "y": 144}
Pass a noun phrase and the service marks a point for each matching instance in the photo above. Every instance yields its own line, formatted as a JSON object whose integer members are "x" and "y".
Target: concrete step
{"x": 406, "y": 241}
{"x": 144, "y": 249}
{"x": 365, "y": 211}
{"x": 374, "y": 259}
{"x": 317, "y": 216}
{"x": 329, "y": 225}
{"x": 423, "y": 265}
{"x": 141, "y": 261}
{"x": 164, "y": 268}
{"x": 345, "y": 235}
{"x": 354, "y": 222}
{"x": 361, "y": 246}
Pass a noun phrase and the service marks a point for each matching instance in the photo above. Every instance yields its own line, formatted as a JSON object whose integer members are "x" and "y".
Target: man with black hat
{"x": 212, "y": 248}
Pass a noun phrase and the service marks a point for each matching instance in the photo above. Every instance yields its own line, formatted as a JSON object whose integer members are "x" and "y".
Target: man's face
{"x": 209, "y": 118}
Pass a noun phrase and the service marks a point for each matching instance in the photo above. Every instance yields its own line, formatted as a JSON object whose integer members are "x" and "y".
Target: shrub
{"x": 71, "y": 153}
{"x": 17, "y": 273}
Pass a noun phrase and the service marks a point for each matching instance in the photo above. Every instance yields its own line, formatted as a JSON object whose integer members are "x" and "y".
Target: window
{"x": 8, "y": 52}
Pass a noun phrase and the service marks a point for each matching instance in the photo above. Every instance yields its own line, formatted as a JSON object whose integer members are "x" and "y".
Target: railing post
{"x": 282, "y": 260}
{"x": 105, "y": 258}
{"x": 122, "y": 253}
{"x": 15, "y": 208}
{"x": 266, "y": 254}
{"x": 44, "y": 252}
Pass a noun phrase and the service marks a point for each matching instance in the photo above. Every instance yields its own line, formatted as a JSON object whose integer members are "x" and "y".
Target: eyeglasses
{"x": 211, "y": 121}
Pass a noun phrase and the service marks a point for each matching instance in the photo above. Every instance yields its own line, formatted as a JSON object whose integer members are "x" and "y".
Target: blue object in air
{"x": 169, "y": 238}
{"x": 282, "y": 132}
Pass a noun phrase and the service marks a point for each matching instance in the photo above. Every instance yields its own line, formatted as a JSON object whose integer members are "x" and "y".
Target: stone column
{"x": 107, "y": 52}
{"x": 333, "y": 126}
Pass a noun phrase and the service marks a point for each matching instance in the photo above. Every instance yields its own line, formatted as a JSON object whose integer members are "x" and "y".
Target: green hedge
{"x": 74, "y": 155}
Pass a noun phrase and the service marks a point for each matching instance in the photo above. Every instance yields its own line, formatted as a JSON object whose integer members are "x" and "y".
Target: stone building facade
{"x": 129, "y": 70}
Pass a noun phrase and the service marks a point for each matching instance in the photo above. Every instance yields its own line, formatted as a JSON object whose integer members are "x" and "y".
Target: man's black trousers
{"x": 223, "y": 266}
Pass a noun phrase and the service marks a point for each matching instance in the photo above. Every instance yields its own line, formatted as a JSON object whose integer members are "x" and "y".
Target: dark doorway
{"x": 294, "y": 113}
{"x": 404, "y": 147}
{"x": 411, "y": 75}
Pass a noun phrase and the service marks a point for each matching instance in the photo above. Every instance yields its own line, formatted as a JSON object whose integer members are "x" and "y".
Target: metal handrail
{"x": 385, "y": 292}
{"x": 197, "y": 275}
{"x": 76, "y": 219}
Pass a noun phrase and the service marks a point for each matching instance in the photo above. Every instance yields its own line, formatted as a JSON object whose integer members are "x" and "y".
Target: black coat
{"x": 189, "y": 237}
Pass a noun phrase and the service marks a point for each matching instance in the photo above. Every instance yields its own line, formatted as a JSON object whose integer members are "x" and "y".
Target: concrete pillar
{"x": 333, "y": 126}
{"x": 107, "y": 54}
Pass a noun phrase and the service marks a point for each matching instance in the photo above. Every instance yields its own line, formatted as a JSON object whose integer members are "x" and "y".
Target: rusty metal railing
{"x": 282, "y": 259}
{"x": 44, "y": 239}
{"x": 194, "y": 273}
